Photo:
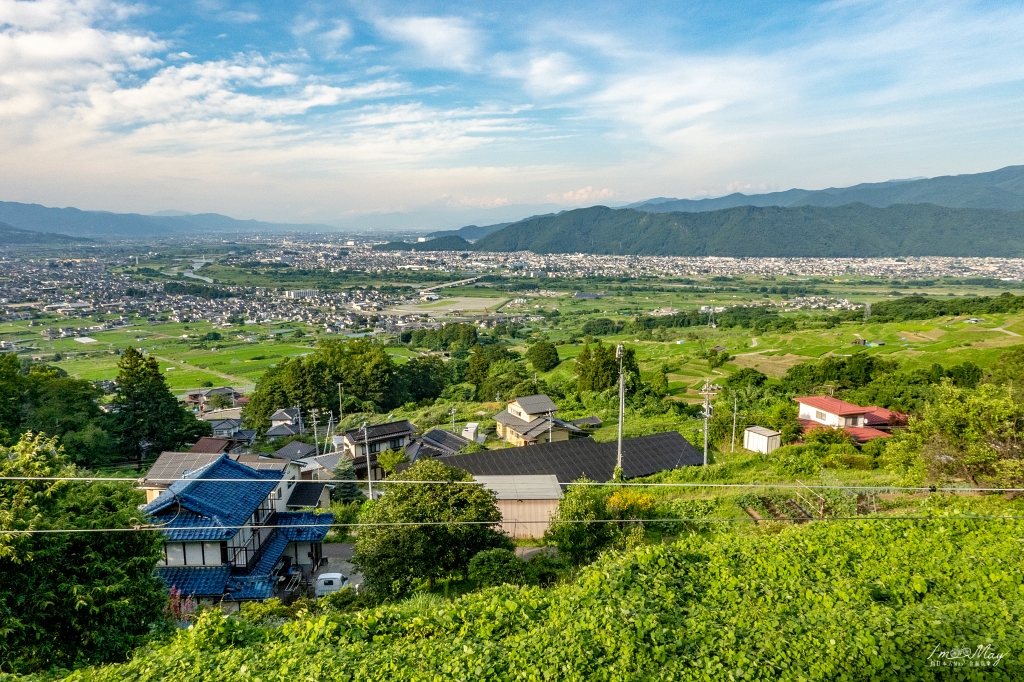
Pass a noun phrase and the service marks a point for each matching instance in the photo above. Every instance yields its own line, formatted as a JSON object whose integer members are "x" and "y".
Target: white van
{"x": 327, "y": 583}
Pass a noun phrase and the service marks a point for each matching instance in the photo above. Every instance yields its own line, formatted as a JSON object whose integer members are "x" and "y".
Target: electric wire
{"x": 617, "y": 484}
{"x": 704, "y": 519}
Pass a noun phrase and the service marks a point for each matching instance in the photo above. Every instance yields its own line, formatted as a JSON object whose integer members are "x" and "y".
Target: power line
{"x": 704, "y": 519}
{"x": 640, "y": 484}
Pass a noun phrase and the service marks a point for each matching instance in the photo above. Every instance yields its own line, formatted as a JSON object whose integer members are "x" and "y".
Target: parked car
{"x": 327, "y": 583}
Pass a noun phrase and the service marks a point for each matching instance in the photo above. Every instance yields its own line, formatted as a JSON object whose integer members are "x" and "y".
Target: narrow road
{"x": 1005, "y": 331}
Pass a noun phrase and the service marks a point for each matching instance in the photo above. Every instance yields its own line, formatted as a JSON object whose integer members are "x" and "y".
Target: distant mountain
{"x": 12, "y": 236}
{"x": 1003, "y": 188}
{"x": 650, "y": 202}
{"x": 74, "y": 221}
{"x": 470, "y": 232}
{"x": 450, "y": 242}
{"x": 854, "y": 230}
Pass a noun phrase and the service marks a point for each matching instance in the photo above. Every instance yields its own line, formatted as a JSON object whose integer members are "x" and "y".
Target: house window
{"x": 819, "y": 415}
{"x": 193, "y": 554}
{"x": 175, "y": 554}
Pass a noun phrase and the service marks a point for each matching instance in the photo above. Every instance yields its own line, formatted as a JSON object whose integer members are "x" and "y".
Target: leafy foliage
{"x": 393, "y": 557}
{"x": 71, "y": 598}
{"x": 924, "y": 308}
{"x": 369, "y": 378}
{"x": 543, "y": 355}
{"x": 822, "y": 602}
{"x": 498, "y": 566}
{"x": 147, "y": 418}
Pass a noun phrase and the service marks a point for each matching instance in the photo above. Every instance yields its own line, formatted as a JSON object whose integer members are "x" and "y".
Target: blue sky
{"x": 444, "y": 113}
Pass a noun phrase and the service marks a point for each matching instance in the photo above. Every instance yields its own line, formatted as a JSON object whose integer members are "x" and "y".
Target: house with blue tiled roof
{"x": 229, "y": 534}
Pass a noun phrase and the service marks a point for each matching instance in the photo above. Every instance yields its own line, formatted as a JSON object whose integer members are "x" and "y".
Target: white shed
{"x": 760, "y": 439}
{"x": 526, "y": 502}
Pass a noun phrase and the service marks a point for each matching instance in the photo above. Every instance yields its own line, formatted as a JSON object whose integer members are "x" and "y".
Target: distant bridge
{"x": 448, "y": 284}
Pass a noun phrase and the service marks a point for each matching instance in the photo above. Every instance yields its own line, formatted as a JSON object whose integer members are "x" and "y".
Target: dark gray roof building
{"x": 295, "y": 450}
{"x": 582, "y": 457}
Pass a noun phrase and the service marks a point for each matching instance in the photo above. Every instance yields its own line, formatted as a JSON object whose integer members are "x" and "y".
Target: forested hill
{"x": 10, "y": 236}
{"x": 1003, "y": 189}
{"x": 854, "y": 230}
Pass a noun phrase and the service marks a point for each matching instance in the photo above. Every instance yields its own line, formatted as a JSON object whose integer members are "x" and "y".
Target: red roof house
{"x": 862, "y": 423}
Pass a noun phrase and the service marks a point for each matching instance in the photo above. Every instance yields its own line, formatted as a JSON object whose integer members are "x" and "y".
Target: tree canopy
{"x": 71, "y": 598}
{"x": 147, "y": 418}
{"x": 392, "y": 558}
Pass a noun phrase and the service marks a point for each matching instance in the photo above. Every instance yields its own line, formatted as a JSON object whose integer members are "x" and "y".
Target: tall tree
{"x": 543, "y": 355}
{"x": 68, "y": 599}
{"x": 147, "y": 418}
{"x": 68, "y": 408}
{"x": 393, "y": 557}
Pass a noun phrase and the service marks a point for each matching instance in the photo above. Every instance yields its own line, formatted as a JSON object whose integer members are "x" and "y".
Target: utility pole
{"x": 734, "y": 406}
{"x": 369, "y": 471}
{"x": 316, "y": 438}
{"x": 619, "y": 352}
{"x": 453, "y": 418}
{"x": 341, "y": 403}
{"x": 707, "y": 392}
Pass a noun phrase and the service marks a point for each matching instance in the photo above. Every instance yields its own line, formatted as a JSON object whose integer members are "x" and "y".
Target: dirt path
{"x": 1005, "y": 331}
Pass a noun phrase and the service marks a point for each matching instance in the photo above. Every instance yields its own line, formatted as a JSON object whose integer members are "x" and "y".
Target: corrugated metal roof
{"x": 538, "y": 487}
{"x": 762, "y": 431}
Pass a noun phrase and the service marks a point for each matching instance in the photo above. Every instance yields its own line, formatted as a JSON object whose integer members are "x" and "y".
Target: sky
{"x": 425, "y": 114}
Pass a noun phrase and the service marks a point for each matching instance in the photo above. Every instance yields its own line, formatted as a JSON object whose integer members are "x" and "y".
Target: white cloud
{"x": 447, "y": 42}
{"x": 586, "y": 195}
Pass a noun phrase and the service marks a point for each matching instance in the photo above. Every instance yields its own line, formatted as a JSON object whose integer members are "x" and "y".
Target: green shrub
{"x": 497, "y": 567}
{"x": 862, "y": 602}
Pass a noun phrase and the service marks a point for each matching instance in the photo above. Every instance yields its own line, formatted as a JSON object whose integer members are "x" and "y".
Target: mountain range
{"x": 469, "y": 232}
{"x": 79, "y": 223}
{"x": 978, "y": 214}
{"x": 1003, "y": 188}
{"x": 853, "y": 230}
{"x": 12, "y": 236}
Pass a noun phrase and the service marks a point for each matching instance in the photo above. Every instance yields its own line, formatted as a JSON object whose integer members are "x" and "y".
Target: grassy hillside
{"x": 854, "y": 230}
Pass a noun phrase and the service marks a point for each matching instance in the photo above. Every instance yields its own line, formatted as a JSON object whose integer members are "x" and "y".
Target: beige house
{"x": 527, "y": 503}
{"x": 530, "y": 420}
